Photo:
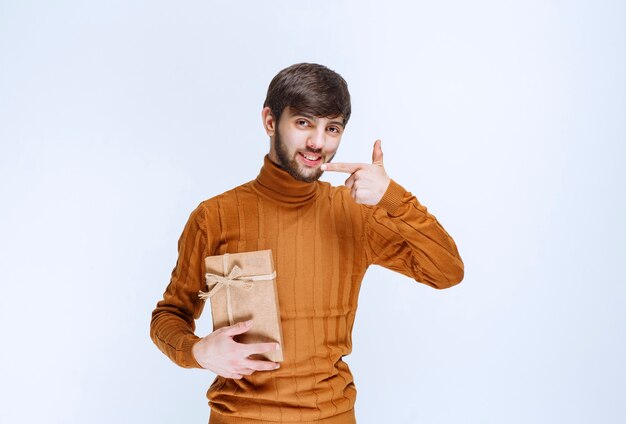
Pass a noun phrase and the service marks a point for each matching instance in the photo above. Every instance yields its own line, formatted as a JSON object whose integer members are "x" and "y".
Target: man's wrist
{"x": 185, "y": 355}
{"x": 392, "y": 199}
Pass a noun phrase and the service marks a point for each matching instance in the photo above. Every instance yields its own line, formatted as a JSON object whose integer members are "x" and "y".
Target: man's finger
{"x": 350, "y": 181}
{"x": 377, "y": 154}
{"x": 239, "y": 328}
{"x": 245, "y": 371}
{"x": 350, "y": 168}
{"x": 254, "y": 348}
{"x": 258, "y": 365}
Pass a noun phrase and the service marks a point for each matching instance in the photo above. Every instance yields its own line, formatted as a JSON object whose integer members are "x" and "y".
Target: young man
{"x": 322, "y": 238}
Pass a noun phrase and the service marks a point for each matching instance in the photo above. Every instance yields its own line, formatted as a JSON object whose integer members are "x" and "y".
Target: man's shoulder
{"x": 327, "y": 188}
{"x": 228, "y": 195}
{"x": 339, "y": 193}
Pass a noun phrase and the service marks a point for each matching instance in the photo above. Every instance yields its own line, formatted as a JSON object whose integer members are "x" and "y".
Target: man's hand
{"x": 367, "y": 183}
{"x": 219, "y": 353}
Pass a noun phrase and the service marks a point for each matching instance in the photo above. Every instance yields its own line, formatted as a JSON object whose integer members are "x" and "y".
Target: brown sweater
{"x": 322, "y": 243}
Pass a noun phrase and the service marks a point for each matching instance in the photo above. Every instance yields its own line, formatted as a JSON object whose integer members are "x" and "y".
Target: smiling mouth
{"x": 311, "y": 158}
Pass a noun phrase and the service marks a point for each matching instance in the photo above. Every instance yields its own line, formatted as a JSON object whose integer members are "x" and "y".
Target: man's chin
{"x": 307, "y": 175}
{"x": 308, "y": 178}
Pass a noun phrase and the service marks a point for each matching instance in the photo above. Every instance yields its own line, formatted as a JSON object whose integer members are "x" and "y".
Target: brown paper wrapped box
{"x": 242, "y": 286}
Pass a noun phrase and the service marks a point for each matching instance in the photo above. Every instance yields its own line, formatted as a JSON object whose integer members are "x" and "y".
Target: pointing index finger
{"x": 349, "y": 168}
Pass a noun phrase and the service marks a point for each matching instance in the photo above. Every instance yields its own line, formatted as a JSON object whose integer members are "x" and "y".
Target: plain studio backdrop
{"x": 506, "y": 119}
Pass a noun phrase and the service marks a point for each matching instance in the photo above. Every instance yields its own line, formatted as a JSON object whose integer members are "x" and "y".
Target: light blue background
{"x": 505, "y": 118}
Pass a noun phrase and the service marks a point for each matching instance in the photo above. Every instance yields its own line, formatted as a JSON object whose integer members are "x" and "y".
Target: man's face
{"x": 302, "y": 143}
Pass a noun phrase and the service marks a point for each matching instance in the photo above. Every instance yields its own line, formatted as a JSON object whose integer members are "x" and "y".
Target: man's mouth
{"x": 311, "y": 158}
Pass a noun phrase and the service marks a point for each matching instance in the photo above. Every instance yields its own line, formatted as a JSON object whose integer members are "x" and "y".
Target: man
{"x": 322, "y": 238}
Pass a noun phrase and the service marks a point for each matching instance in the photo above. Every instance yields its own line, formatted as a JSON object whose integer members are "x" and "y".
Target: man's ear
{"x": 269, "y": 123}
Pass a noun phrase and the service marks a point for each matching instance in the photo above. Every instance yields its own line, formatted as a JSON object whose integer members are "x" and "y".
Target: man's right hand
{"x": 219, "y": 353}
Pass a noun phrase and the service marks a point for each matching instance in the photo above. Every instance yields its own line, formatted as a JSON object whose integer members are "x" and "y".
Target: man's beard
{"x": 292, "y": 166}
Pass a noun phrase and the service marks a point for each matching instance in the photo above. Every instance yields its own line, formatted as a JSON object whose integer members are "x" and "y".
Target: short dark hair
{"x": 310, "y": 88}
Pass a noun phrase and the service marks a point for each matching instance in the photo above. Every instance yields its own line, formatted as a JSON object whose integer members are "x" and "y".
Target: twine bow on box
{"x": 233, "y": 279}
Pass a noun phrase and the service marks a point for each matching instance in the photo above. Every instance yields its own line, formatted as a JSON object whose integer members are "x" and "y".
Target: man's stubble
{"x": 291, "y": 165}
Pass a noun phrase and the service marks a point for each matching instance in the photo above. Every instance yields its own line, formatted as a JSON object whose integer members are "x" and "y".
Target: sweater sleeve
{"x": 173, "y": 320}
{"x": 403, "y": 236}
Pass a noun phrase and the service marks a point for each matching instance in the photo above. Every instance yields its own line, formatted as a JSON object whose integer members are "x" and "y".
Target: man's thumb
{"x": 377, "y": 154}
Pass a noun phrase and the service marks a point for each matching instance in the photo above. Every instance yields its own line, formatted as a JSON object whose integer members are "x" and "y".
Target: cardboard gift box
{"x": 242, "y": 286}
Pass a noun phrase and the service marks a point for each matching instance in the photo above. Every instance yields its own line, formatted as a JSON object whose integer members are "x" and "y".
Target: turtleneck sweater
{"x": 322, "y": 243}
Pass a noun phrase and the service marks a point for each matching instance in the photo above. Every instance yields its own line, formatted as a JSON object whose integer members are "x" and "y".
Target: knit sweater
{"x": 322, "y": 243}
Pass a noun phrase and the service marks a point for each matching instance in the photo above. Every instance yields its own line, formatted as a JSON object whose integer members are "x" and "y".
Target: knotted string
{"x": 233, "y": 279}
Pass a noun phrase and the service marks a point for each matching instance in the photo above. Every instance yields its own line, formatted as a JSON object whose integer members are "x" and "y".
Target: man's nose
{"x": 316, "y": 140}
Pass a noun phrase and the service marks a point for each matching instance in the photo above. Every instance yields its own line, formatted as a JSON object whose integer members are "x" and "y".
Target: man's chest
{"x": 318, "y": 251}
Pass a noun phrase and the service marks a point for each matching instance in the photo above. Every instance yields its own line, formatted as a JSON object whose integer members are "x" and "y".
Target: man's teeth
{"x": 307, "y": 157}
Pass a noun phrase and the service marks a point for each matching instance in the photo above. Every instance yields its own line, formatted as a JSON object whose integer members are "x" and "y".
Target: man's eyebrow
{"x": 340, "y": 123}
{"x": 315, "y": 118}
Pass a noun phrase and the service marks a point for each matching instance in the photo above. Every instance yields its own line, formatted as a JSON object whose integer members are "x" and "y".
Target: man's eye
{"x": 302, "y": 122}
{"x": 333, "y": 129}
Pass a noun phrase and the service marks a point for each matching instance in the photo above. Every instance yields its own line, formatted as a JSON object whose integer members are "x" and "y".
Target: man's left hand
{"x": 367, "y": 182}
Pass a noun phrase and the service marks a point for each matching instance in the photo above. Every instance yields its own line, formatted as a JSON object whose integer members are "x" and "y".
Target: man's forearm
{"x": 174, "y": 336}
{"x": 408, "y": 239}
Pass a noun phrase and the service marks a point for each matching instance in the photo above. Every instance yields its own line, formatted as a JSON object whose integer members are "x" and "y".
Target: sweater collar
{"x": 276, "y": 184}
